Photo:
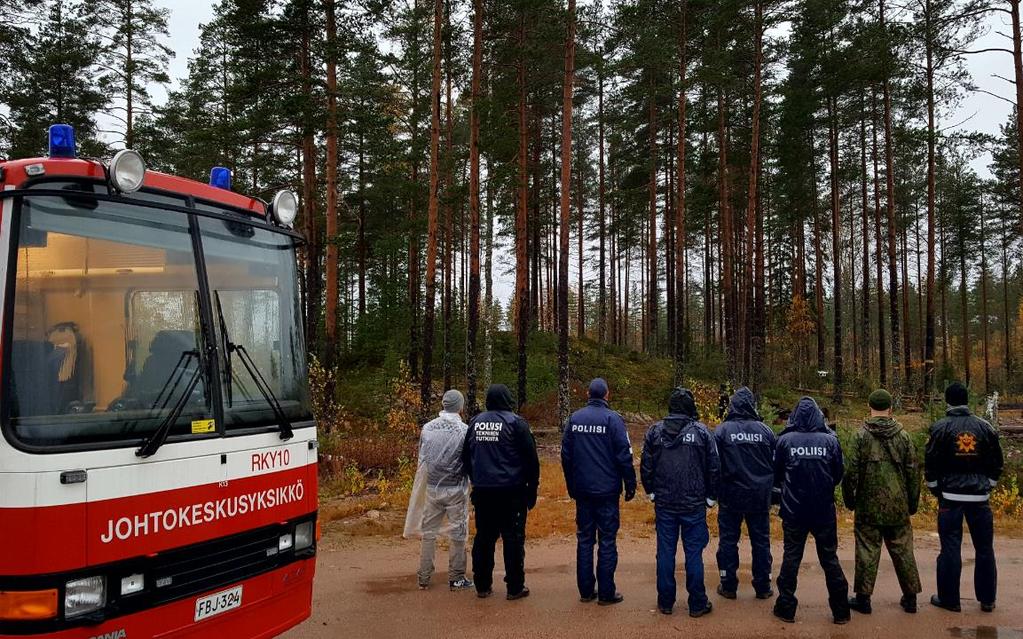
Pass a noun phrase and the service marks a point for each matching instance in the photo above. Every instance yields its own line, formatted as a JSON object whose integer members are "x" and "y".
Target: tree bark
{"x": 431, "y": 242}
{"x": 474, "y": 209}
{"x": 330, "y": 168}
{"x": 836, "y": 246}
{"x": 680, "y": 204}
{"x": 878, "y": 251}
{"x": 889, "y": 157}
{"x": 755, "y": 346}
{"x": 521, "y": 216}
{"x": 565, "y": 214}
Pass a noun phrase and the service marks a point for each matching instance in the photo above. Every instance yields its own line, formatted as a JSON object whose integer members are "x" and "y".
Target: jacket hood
{"x": 671, "y": 429}
{"x": 882, "y": 427}
{"x": 743, "y": 405}
{"x": 806, "y": 417}
{"x": 500, "y": 398}
{"x": 682, "y": 403}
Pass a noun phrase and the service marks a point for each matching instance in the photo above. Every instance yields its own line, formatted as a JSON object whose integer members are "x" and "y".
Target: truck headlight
{"x": 305, "y": 533}
{"x": 82, "y": 596}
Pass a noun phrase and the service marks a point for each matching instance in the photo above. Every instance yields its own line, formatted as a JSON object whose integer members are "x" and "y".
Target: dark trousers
{"x": 692, "y": 528}
{"x": 499, "y": 515}
{"x": 596, "y": 521}
{"x": 825, "y": 537}
{"x": 758, "y": 525}
{"x": 950, "y": 561}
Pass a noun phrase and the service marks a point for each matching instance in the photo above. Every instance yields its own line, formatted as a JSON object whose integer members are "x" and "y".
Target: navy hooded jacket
{"x": 499, "y": 450}
{"x": 746, "y": 447}
{"x": 596, "y": 454}
{"x": 808, "y": 467}
{"x": 680, "y": 467}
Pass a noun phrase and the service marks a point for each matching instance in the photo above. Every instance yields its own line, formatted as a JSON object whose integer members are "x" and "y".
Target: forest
{"x": 769, "y": 192}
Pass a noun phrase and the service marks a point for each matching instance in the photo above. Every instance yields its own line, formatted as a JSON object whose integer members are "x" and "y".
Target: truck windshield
{"x": 103, "y": 336}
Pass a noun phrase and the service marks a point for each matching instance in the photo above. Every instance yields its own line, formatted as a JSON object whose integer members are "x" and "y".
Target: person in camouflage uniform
{"x": 882, "y": 486}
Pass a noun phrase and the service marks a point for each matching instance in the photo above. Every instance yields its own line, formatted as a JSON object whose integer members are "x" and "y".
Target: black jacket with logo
{"x": 964, "y": 460}
{"x": 746, "y": 447}
{"x": 680, "y": 465}
{"x": 499, "y": 450}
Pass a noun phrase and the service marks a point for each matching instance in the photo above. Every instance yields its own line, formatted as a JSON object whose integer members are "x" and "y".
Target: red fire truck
{"x": 158, "y": 459}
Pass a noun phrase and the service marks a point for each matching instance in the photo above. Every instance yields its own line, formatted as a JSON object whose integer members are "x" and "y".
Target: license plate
{"x": 217, "y": 603}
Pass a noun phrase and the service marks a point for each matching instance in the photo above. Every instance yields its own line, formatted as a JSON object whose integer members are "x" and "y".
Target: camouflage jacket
{"x": 882, "y": 479}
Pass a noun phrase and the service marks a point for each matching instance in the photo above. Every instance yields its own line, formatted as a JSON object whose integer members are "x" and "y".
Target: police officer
{"x": 882, "y": 486}
{"x": 746, "y": 448}
{"x": 963, "y": 463}
{"x": 596, "y": 457}
{"x": 500, "y": 458}
{"x": 680, "y": 472}
{"x": 808, "y": 467}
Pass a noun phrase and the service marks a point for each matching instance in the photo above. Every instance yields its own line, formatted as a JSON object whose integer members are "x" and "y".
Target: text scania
{"x": 203, "y": 513}
{"x": 113, "y": 634}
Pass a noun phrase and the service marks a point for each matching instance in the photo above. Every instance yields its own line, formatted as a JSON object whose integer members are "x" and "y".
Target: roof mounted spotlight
{"x": 220, "y": 177}
{"x": 127, "y": 171}
{"x": 62, "y": 141}
{"x": 284, "y": 207}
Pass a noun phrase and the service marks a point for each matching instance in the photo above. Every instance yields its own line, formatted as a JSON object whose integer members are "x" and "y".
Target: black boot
{"x": 908, "y": 603}
{"x": 861, "y": 604}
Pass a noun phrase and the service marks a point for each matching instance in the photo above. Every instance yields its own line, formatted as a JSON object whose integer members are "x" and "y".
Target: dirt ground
{"x": 366, "y": 587}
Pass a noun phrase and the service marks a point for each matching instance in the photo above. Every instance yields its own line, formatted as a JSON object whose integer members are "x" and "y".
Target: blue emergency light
{"x": 220, "y": 177}
{"x": 62, "y": 141}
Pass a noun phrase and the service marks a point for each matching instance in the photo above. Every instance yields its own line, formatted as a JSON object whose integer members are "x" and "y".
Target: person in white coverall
{"x": 440, "y": 493}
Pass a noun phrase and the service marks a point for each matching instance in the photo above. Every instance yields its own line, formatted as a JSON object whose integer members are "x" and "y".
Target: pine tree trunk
{"x": 521, "y": 216}
{"x": 330, "y": 168}
{"x": 680, "y": 204}
{"x": 983, "y": 302}
{"x": 889, "y": 158}
{"x": 878, "y": 252}
{"x": 488, "y": 286}
{"x": 312, "y": 274}
{"x": 928, "y": 381}
{"x": 651, "y": 278}
{"x": 565, "y": 215}
{"x": 727, "y": 234}
{"x": 865, "y": 326}
{"x": 1017, "y": 63}
{"x": 413, "y": 217}
{"x": 449, "y": 229}
{"x": 754, "y": 344}
{"x": 432, "y": 215}
{"x": 836, "y": 245}
{"x": 1006, "y": 313}
{"x": 602, "y": 292}
{"x": 474, "y": 210}
{"x": 581, "y": 300}
{"x": 964, "y": 308}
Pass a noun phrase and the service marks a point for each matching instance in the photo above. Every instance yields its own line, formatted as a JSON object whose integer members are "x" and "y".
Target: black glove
{"x": 630, "y": 494}
{"x": 775, "y": 497}
{"x": 531, "y": 498}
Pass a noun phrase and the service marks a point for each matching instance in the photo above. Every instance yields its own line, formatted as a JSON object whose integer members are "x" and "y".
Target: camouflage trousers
{"x": 899, "y": 541}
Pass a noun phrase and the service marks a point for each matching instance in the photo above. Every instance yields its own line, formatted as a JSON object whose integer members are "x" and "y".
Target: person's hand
{"x": 651, "y": 495}
{"x": 711, "y": 503}
{"x": 630, "y": 494}
{"x": 531, "y": 499}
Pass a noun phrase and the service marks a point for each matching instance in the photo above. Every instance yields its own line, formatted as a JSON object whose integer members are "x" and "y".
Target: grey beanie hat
{"x": 452, "y": 401}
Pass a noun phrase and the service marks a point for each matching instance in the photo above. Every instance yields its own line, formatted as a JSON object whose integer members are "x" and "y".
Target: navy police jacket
{"x": 746, "y": 448}
{"x": 499, "y": 450}
{"x": 680, "y": 466}
{"x": 808, "y": 466}
{"x": 596, "y": 455}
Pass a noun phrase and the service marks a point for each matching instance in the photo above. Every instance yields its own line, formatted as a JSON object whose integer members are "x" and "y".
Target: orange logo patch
{"x": 966, "y": 444}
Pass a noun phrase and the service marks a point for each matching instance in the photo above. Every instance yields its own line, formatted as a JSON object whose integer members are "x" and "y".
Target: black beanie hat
{"x": 957, "y": 395}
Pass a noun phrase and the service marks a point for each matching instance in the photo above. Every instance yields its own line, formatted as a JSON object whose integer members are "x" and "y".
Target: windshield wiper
{"x": 157, "y": 439}
{"x": 284, "y": 424}
{"x": 198, "y": 373}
